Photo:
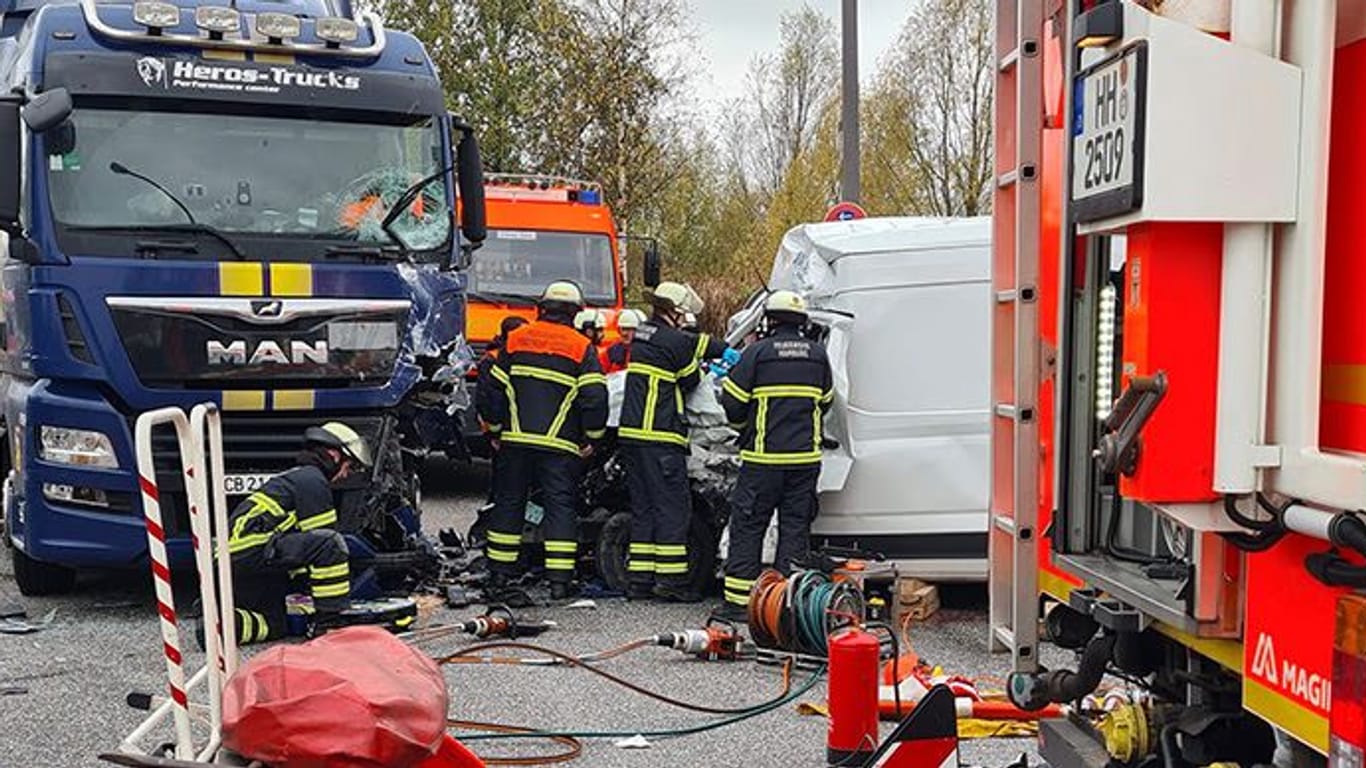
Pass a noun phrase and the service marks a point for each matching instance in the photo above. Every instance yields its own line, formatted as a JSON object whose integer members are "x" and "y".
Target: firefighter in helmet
{"x": 548, "y": 406}
{"x": 619, "y": 354}
{"x": 663, "y": 370}
{"x": 287, "y": 529}
{"x": 775, "y": 395}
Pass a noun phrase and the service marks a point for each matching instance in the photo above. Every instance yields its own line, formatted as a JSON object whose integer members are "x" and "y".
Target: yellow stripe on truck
{"x": 291, "y": 279}
{"x": 237, "y": 278}
{"x": 292, "y": 399}
{"x": 1301, "y": 722}
{"x": 244, "y": 399}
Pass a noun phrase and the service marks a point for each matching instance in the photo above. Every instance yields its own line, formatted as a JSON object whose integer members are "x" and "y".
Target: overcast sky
{"x": 732, "y": 32}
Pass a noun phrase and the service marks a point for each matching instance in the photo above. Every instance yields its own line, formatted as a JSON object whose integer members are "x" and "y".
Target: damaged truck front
{"x": 248, "y": 204}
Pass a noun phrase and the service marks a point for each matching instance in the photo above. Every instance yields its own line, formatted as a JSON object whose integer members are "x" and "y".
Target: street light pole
{"x": 850, "y": 189}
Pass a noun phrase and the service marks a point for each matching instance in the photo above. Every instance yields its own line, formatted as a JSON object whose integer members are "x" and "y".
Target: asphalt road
{"x": 104, "y": 643}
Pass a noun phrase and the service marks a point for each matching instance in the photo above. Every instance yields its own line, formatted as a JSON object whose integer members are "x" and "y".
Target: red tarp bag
{"x": 353, "y": 698}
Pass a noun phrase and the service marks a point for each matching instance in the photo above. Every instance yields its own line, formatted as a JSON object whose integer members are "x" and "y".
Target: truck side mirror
{"x": 9, "y": 166}
{"x": 470, "y": 181}
{"x": 47, "y": 110}
{"x": 652, "y": 264}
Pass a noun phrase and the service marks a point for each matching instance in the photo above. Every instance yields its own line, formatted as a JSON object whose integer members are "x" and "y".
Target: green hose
{"x": 660, "y": 733}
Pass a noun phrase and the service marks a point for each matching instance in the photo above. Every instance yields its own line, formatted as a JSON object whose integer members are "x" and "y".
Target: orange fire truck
{"x": 1179, "y": 375}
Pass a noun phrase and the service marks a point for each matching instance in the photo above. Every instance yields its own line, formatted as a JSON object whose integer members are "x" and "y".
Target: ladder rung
{"x": 1005, "y": 409}
{"x": 1005, "y": 297}
{"x": 1009, "y": 60}
{"x": 1007, "y": 179}
{"x": 1004, "y": 634}
{"x": 1005, "y": 523}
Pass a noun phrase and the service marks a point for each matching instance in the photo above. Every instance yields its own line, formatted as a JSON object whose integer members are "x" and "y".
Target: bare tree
{"x": 932, "y": 108}
{"x": 787, "y": 92}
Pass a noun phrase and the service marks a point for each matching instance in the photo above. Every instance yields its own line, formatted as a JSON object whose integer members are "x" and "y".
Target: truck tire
{"x": 36, "y": 578}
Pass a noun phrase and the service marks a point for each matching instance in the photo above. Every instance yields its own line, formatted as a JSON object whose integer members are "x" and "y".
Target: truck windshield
{"x": 521, "y": 263}
{"x": 263, "y": 181}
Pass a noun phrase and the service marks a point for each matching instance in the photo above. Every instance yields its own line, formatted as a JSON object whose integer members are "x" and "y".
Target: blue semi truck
{"x": 249, "y": 203}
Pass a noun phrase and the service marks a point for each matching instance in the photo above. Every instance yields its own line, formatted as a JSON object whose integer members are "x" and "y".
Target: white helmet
{"x": 588, "y": 318}
{"x": 786, "y": 303}
{"x": 335, "y": 434}
{"x": 630, "y": 319}
{"x": 562, "y": 292}
{"x": 674, "y": 297}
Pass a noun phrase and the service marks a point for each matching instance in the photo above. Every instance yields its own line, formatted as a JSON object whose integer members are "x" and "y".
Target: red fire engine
{"x": 1179, "y": 375}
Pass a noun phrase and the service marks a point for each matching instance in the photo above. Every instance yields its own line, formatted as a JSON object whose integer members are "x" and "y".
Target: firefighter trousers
{"x": 758, "y": 492}
{"x": 262, "y": 575}
{"x": 661, "y": 513}
{"x": 557, "y": 473}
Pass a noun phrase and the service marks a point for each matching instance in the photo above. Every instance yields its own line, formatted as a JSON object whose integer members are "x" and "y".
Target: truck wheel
{"x": 36, "y": 578}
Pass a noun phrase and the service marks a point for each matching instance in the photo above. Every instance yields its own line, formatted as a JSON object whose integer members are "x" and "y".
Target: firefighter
{"x": 287, "y": 529}
{"x": 619, "y": 354}
{"x": 663, "y": 370}
{"x": 592, "y": 323}
{"x": 550, "y": 406}
{"x": 775, "y": 395}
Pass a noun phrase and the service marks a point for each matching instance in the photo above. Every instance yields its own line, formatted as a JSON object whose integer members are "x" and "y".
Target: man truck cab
{"x": 242, "y": 203}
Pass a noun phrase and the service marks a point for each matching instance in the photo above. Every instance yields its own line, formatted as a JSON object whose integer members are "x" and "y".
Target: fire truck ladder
{"x": 1014, "y": 506}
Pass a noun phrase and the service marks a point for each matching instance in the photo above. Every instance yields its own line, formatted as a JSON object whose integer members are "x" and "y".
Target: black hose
{"x": 1266, "y": 533}
{"x": 1169, "y": 745}
{"x": 1067, "y": 685}
{"x": 1251, "y": 523}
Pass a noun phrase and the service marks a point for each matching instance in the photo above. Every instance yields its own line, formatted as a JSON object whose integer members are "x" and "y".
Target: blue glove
{"x": 730, "y": 357}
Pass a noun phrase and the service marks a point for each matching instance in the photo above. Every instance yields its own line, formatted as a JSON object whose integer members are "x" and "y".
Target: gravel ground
{"x": 104, "y": 643}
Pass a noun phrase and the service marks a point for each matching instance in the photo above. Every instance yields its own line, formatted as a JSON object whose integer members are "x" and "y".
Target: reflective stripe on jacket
{"x": 298, "y": 499}
{"x": 775, "y": 395}
{"x": 550, "y": 391}
{"x": 663, "y": 369}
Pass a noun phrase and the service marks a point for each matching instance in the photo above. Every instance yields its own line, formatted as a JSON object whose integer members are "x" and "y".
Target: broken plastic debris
{"x": 635, "y": 742}
{"x": 23, "y": 627}
{"x": 584, "y": 603}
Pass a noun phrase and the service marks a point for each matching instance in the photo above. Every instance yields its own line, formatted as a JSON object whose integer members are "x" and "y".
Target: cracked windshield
{"x": 246, "y": 176}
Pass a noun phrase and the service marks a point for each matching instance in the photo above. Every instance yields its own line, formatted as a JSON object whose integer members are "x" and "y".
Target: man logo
{"x": 267, "y": 308}
{"x": 1264, "y": 660}
{"x": 152, "y": 71}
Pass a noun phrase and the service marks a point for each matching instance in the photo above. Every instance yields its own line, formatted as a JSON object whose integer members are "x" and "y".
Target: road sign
{"x": 845, "y": 212}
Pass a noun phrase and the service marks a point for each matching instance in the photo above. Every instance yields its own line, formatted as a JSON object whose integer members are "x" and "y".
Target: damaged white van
{"x": 907, "y": 304}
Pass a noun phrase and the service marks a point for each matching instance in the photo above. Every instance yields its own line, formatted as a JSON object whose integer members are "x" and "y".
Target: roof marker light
{"x": 278, "y": 26}
{"x": 217, "y": 19}
{"x": 155, "y": 15}
{"x": 336, "y": 30}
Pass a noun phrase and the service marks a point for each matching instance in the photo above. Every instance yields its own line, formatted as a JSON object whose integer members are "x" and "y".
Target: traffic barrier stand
{"x": 199, "y": 439}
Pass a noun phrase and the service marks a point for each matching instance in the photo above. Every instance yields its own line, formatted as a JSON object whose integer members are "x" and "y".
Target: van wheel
{"x": 36, "y": 578}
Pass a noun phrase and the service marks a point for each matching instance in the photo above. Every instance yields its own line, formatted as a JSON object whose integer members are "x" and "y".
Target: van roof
{"x": 835, "y": 239}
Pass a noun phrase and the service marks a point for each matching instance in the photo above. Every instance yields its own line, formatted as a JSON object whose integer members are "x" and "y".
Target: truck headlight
{"x": 335, "y": 29}
{"x": 156, "y": 15}
{"x": 278, "y": 26}
{"x": 85, "y": 447}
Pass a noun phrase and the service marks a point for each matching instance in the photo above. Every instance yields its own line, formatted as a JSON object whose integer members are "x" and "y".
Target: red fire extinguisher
{"x": 852, "y": 738}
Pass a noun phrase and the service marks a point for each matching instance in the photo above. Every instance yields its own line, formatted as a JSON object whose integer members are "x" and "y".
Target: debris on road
{"x": 19, "y": 625}
{"x": 635, "y": 742}
{"x": 585, "y": 603}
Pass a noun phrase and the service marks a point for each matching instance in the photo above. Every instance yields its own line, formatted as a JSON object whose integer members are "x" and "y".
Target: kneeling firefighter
{"x": 775, "y": 395}
{"x": 287, "y": 529}
{"x": 549, "y": 405}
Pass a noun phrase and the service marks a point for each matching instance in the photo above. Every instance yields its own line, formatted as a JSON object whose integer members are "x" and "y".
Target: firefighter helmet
{"x": 630, "y": 319}
{"x": 677, "y": 297}
{"x": 563, "y": 292}
{"x": 588, "y": 319}
{"x": 335, "y": 434}
{"x": 786, "y": 305}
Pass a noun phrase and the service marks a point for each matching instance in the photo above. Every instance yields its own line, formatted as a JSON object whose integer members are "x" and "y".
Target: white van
{"x": 910, "y": 304}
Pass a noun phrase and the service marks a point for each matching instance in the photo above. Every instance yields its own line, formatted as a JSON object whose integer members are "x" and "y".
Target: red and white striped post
{"x": 161, "y": 566}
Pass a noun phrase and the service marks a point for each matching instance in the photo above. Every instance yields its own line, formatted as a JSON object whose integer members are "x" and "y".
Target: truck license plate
{"x": 241, "y": 485}
{"x": 1107, "y": 141}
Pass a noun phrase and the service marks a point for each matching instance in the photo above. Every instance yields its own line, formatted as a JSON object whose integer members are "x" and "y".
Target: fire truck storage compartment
{"x": 1177, "y": 129}
{"x": 1171, "y": 325}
